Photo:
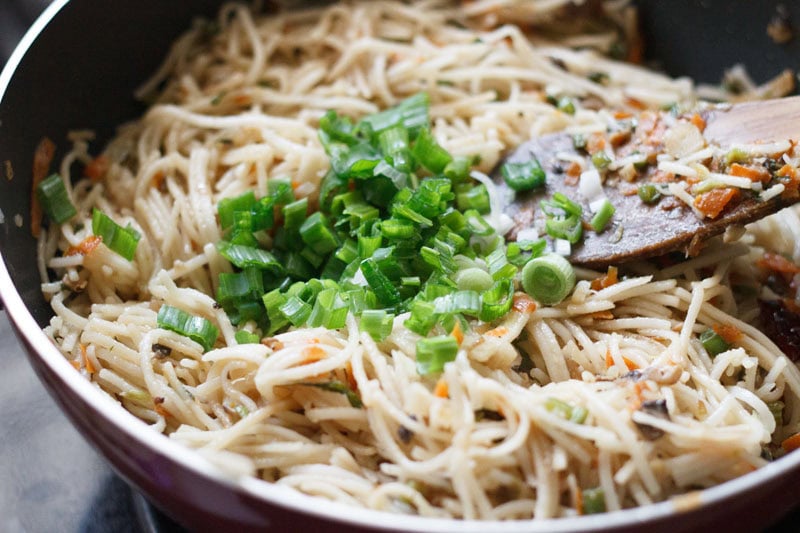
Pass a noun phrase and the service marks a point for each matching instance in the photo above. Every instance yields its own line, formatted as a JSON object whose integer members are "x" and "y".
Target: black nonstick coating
{"x": 81, "y": 71}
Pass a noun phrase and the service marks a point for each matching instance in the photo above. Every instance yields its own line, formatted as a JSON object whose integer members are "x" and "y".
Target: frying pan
{"x": 77, "y": 68}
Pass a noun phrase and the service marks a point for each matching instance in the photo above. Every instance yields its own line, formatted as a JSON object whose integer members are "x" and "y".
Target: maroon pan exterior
{"x": 75, "y": 69}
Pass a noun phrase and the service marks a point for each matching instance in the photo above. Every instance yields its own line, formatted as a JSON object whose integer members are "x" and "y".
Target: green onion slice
{"x": 52, "y": 195}
{"x": 548, "y": 279}
{"x": 120, "y": 240}
{"x": 434, "y": 353}
{"x": 524, "y": 176}
{"x": 199, "y": 329}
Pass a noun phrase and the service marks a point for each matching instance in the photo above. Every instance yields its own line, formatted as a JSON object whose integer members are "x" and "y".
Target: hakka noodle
{"x": 612, "y": 398}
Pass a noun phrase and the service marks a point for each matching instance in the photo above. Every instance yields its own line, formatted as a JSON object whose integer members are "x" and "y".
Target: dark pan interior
{"x": 81, "y": 71}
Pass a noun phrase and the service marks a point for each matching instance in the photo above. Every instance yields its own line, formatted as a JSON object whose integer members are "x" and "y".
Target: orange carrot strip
{"x": 42, "y": 157}
{"x": 698, "y": 121}
{"x": 608, "y": 279}
{"x": 499, "y": 331}
{"x": 712, "y": 203}
{"x": 312, "y": 354}
{"x": 729, "y": 333}
{"x": 523, "y": 303}
{"x": 458, "y": 333}
{"x": 97, "y": 168}
{"x": 441, "y": 390}
{"x": 87, "y": 363}
{"x": 792, "y": 443}
{"x": 753, "y": 173}
{"x": 85, "y": 247}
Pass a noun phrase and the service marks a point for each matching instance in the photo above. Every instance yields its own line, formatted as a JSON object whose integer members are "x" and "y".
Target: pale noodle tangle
{"x": 238, "y": 106}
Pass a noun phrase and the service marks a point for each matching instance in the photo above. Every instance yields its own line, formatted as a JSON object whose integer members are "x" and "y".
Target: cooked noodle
{"x": 237, "y": 107}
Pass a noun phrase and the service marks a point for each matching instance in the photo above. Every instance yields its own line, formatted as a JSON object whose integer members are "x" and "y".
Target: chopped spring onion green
{"x": 52, "y": 195}
{"x": 600, "y": 160}
{"x": 594, "y": 501}
{"x": 377, "y": 323}
{"x": 245, "y": 337}
{"x": 575, "y": 414}
{"x": 649, "y": 193}
{"x": 524, "y": 176}
{"x": 566, "y": 105}
{"x": 387, "y": 238}
{"x": 433, "y": 353}
{"x": 713, "y": 342}
{"x": 601, "y": 219}
{"x": 120, "y": 240}
{"x": 341, "y": 388}
{"x": 429, "y": 154}
{"x": 473, "y": 279}
{"x": 197, "y": 328}
{"x": 548, "y": 279}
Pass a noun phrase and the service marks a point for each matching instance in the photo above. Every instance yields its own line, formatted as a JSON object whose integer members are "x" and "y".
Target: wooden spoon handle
{"x": 765, "y": 121}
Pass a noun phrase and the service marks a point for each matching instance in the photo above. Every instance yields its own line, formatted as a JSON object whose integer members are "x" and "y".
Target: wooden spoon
{"x": 639, "y": 230}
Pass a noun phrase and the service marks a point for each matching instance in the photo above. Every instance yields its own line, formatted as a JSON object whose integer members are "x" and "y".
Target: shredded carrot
{"x": 272, "y": 343}
{"x": 712, "y": 203}
{"x": 87, "y": 363}
{"x": 628, "y": 363}
{"x": 75, "y": 364}
{"x": 97, "y": 168}
{"x": 753, "y": 173}
{"x": 595, "y": 142}
{"x": 608, "y": 279}
{"x": 499, "y": 331}
{"x": 86, "y": 246}
{"x": 42, "y": 157}
{"x": 622, "y": 115}
{"x": 441, "y": 390}
{"x": 351, "y": 379}
{"x": 159, "y": 408}
{"x": 602, "y": 315}
{"x": 312, "y": 354}
{"x": 778, "y": 263}
{"x": 636, "y": 104}
{"x": 660, "y": 176}
{"x": 579, "y": 501}
{"x": 157, "y": 180}
{"x": 574, "y": 169}
{"x": 242, "y": 99}
{"x": 729, "y": 333}
{"x": 523, "y": 303}
{"x": 457, "y": 333}
{"x": 791, "y": 181}
{"x": 698, "y": 121}
{"x": 792, "y": 443}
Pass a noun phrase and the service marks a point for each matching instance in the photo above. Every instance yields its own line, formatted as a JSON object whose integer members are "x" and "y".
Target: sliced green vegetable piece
{"x": 434, "y": 353}
{"x": 199, "y": 329}
{"x": 548, "y": 279}
{"x": 120, "y": 240}
{"x": 52, "y": 195}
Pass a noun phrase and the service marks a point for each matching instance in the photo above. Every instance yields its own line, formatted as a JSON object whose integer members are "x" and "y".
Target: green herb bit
{"x": 338, "y": 387}
{"x": 548, "y": 279}
{"x": 434, "y": 352}
{"x": 54, "y": 199}
{"x": 524, "y": 176}
{"x": 245, "y": 337}
{"x": 601, "y": 160}
{"x": 603, "y": 216}
{"x": 713, "y": 342}
{"x": 594, "y": 501}
{"x": 649, "y": 193}
{"x": 566, "y": 105}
